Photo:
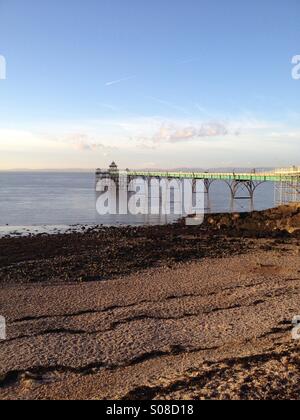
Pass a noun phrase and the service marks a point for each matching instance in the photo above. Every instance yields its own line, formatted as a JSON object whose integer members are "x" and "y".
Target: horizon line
{"x": 144, "y": 168}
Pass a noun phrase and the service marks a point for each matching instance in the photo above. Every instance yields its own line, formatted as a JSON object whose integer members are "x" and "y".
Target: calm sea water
{"x": 64, "y": 199}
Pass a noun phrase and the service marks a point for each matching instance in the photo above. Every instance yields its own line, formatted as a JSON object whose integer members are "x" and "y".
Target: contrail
{"x": 115, "y": 82}
{"x": 168, "y": 104}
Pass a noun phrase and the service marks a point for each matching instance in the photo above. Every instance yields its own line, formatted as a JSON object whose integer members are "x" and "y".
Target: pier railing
{"x": 276, "y": 176}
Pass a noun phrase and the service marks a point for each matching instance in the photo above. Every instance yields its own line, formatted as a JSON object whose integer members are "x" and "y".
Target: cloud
{"x": 173, "y": 134}
{"x": 85, "y": 143}
{"x": 286, "y": 135}
{"x": 139, "y": 140}
{"x": 87, "y": 146}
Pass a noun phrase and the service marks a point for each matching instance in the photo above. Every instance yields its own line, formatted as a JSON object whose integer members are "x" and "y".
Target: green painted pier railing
{"x": 255, "y": 177}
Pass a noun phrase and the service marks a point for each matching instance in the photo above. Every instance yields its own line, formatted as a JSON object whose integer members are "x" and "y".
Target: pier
{"x": 242, "y": 186}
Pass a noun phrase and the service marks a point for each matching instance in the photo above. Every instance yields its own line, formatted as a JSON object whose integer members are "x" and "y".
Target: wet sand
{"x": 172, "y": 312}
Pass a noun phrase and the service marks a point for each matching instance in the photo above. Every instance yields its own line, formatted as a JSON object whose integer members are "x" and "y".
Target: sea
{"x": 51, "y": 202}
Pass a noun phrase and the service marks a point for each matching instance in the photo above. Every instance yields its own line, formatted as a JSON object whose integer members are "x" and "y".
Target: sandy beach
{"x": 169, "y": 312}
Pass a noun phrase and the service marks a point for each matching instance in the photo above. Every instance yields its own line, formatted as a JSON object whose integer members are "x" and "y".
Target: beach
{"x": 168, "y": 312}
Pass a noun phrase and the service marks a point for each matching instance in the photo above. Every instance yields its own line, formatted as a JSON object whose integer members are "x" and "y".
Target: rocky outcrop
{"x": 284, "y": 219}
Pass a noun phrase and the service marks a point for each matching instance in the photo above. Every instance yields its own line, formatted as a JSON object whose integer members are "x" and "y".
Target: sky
{"x": 149, "y": 84}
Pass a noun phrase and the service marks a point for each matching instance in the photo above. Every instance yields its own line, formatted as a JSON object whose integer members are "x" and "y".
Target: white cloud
{"x": 23, "y": 140}
{"x": 83, "y": 142}
{"x": 173, "y": 133}
{"x": 132, "y": 141}
{"x": 286, "y": 135}
{"x": 169, "y": 132}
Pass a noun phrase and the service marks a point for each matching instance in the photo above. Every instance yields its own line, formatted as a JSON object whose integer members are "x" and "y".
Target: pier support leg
{"x": 243, "y": 190}
{"x": 207, "y": 185}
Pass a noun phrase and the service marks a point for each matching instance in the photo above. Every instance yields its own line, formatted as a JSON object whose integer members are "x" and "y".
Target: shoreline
{"x": 9, "y": 231}
{"x": 100, "y": 253}
{"x": 27, "y": 230}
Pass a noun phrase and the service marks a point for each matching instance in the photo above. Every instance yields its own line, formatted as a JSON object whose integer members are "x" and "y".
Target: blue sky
{"x": 150, "y": 84}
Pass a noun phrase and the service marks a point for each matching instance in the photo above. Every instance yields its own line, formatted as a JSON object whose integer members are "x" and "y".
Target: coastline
{"x": 160, "y": 312}
{"x": 9, "y": 231}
